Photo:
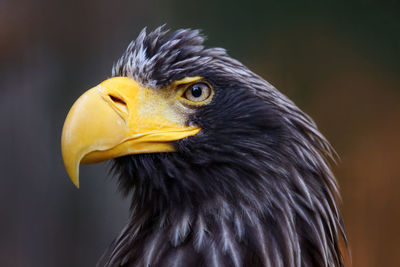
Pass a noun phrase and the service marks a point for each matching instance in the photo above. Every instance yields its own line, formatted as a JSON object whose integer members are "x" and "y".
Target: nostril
{"x": 120, "y": 103}
{"x": 117, "y": 100}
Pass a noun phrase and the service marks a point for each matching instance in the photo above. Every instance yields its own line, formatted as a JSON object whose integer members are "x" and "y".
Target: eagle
{"x": 222, "y": 169}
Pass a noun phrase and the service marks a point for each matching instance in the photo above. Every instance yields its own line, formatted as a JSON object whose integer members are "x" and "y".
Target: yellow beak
{"x": 116, "y": 118}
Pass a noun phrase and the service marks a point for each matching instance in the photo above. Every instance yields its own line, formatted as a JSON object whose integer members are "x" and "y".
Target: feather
{"x": 254, "y": 188}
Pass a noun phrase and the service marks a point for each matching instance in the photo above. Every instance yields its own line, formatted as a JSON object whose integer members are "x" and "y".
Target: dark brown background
{"x": 339, "y": 62}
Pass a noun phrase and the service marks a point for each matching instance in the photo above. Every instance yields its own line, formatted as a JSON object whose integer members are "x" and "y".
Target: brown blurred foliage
{"x": 339, "y": 61}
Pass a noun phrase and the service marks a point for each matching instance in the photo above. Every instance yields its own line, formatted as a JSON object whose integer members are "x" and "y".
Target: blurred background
{"x": 338, "y": 60}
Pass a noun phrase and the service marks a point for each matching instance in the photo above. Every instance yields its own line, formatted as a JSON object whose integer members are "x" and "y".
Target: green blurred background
{"x": 338, "y": 60}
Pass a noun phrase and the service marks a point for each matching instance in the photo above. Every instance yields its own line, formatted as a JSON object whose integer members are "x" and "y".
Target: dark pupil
{"x": 196, "y": 91}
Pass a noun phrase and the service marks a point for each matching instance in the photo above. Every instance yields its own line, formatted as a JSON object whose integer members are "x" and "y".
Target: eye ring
{"x": 198, "y": 93}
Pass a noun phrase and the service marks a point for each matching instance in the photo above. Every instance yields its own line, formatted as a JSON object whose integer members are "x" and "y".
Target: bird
{"x": 221, "y": 168}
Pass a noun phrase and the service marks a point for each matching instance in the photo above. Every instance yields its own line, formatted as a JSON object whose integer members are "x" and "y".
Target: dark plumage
{"x": 253, "y": 188}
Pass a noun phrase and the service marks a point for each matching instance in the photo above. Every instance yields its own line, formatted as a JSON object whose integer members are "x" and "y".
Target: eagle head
{"x": 222, "y": 168}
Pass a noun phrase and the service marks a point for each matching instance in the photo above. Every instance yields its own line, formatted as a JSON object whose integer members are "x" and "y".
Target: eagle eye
{"x": 197, "y": 92}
